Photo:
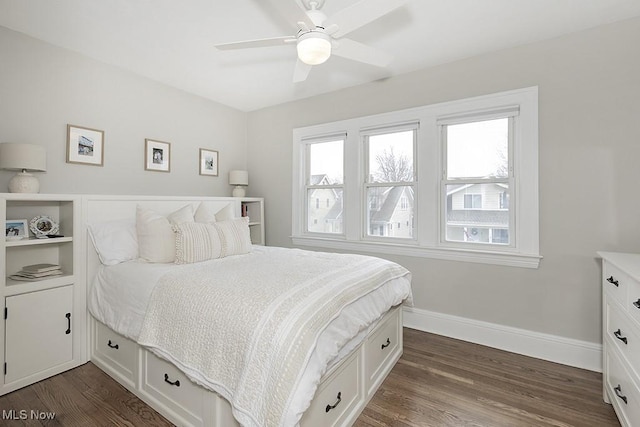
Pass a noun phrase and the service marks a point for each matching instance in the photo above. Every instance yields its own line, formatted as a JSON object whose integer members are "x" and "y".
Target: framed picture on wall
{"x": 85, "y": 145}
{"x": 208, "y": 162}
{"x": 157, "y": 156}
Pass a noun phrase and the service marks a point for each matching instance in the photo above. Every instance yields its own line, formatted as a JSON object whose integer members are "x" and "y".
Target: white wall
{"x": 589, "y": 88}
{"x": 43, "y": 88}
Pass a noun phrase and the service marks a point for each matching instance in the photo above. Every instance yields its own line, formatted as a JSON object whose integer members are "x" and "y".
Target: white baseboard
{"x": 580, "y": 354}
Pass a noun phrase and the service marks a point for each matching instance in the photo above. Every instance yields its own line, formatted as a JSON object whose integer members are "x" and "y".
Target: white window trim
{"x": 429, "y": 159}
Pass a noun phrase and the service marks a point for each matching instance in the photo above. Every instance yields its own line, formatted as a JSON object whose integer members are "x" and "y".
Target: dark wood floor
{"x": 437, "y": 382}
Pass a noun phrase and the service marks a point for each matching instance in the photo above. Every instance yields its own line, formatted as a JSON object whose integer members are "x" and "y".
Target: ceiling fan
{"x": 319, "y": 36}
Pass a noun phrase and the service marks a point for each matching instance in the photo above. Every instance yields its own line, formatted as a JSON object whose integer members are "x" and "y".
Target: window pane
{"x": 326, "y": 165}
{"x": 478, "y": 149}
{"x": 476, "y": 213}
{"x": 391, "y": 157}
{"x": 390, "y": 211}
{"x": 324, "y": 210}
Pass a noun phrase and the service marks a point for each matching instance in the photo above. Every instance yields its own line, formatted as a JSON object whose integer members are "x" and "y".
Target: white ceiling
{"x": 171, "y": 41}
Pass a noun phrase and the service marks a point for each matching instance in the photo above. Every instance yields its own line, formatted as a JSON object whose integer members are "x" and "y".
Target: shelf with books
{"x": 41, "y": 288}
{"x": 253, "y": 207}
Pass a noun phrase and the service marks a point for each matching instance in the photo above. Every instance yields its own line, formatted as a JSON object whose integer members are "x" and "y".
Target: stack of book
{"x": 34, "y": 272}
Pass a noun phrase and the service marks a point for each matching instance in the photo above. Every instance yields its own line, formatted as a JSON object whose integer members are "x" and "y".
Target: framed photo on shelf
{"x": 157, "y": 156}
{"x": 208, "y": 162}
{"x": 85, "y": 146}
{"x": 16, "y": 229}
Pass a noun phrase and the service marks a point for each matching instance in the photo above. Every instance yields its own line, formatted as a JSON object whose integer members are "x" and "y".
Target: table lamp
{"x": 240, "y": 179}
{"x": 23, "y": 158}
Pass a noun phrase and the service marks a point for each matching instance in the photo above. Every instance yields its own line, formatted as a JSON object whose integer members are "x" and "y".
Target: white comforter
{"x": 261, "y": 330}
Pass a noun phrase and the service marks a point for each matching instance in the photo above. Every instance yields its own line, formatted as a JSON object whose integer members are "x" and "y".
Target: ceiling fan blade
{"x": 301, "y": 71}
{"x": 274, "y": 41}
{"x": 360, "y": 14}
{"x": 350, "y": 49}
{"x": 291, "y": 11}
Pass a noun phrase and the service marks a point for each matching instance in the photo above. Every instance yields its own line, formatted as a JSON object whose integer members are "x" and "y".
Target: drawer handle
{"x": 175, "y": 383}
{"x": 618, "y": 335}
{"x": 116, "y": 346}
{"x": 387, "y": 344}
{"x": 330, "y": 407}
{"x": 613, "y": 281}
{"x": 68, "y": 316}
{"x": 637, "y": 303}
{"x": 618, "y": 391}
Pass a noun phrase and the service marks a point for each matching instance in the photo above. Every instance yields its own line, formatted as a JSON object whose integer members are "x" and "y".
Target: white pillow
{"x": 226, "y": 213}
{"x": 205, "y": 213}
{"x": 115, "y": 241}
{"x": 235, "y": 236}
{"x": 156, "y": 239}
{"x": 196, "y": 242}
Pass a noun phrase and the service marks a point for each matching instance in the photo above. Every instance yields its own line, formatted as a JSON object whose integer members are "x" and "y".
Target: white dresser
{"x": 621, "y": 334}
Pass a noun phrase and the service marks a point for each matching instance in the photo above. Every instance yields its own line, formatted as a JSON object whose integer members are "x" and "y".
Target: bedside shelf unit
{"x": 44, "y": 323}
{"x": 253, "y": 207}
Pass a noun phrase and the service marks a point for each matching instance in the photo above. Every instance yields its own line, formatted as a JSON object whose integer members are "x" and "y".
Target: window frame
{"x": 308, "y": 186}
{"x": 364, "y": 135}
{"x": 500, "y": 113}
{"x": 429, "y": 166}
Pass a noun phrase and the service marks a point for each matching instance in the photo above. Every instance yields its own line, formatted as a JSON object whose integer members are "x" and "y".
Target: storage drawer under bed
{"x": 165, "y": 383}
{"x": 116, "y": 351}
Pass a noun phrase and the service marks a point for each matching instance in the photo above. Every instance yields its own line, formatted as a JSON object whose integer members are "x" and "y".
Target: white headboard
{"x": 98, "y": 208}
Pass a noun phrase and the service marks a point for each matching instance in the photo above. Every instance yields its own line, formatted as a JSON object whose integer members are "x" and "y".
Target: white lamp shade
{"x": 238, "y": 177}
{"x": 23, "y": 157}
{"x": 314, "y": 48}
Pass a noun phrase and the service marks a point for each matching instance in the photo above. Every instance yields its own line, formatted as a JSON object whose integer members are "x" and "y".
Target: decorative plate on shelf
{"x": 42, "y": 226}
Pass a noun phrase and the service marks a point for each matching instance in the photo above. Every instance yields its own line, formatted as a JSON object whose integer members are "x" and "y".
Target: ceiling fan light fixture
{"x": 314, "y": 47}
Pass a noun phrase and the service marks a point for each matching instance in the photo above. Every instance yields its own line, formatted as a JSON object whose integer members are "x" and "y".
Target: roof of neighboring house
{"x": 336, "y": 210}
{"x": 478, "y": 217}
{"x": 454, "y": 188}
{"x": 390, "y": 203}
{"x": 317, "y": 179}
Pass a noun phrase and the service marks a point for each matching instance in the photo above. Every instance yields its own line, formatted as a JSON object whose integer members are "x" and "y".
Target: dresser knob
{"x": 613, "y": 281}
{"x": 637, "y": 303}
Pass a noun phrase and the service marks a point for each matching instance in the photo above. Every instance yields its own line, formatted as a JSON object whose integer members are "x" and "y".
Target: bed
{"x": 289, "y": 342}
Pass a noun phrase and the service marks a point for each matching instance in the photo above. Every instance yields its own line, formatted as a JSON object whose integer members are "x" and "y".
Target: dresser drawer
{"x": 623, "y": 333}
{"x": 382, "y": 346}
{"x": 633, "y": 301}
{"x": 615, "y": 282}
{"x": 167, "y": 384}
{"x": 115, "y": 350}
{"x": 338, "y": 396}
{"x": 623, "y": 392}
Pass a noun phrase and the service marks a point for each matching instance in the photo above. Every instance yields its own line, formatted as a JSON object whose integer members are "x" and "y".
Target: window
{"x": 456, "y": 180}
{"x": 325, "y": 167}
{"x": 389, "y": 182}
{"x": 473, "y": 201}
{"x": 477, "y": 176}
